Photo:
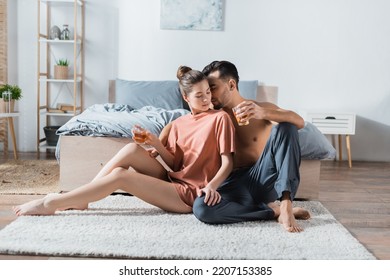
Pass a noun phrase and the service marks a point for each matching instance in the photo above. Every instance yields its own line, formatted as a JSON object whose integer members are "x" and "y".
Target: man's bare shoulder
{"x": 266, "y": 104}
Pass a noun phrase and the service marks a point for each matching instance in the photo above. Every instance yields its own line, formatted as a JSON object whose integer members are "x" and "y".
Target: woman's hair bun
{"x": 182, "y": 70}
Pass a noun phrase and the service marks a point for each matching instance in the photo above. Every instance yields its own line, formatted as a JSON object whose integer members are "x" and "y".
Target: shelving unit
{"x": 51, "y": 91}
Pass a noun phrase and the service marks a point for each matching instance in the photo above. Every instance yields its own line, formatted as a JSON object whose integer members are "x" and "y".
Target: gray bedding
{"x": 116, "y": 120}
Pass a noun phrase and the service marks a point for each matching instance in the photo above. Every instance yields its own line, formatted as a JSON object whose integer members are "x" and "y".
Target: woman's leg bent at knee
{"x": 133, "y": 155}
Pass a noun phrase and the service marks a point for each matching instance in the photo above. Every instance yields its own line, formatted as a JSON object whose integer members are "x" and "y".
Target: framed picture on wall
{"x": 192, "y": 15}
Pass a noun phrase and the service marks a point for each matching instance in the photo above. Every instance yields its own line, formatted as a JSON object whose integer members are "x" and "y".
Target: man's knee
{"x": 287, "y": 133}
{"x": 287, "y": 128}
{"x": 202, "y": 211}
{"x": 286, "y": 138}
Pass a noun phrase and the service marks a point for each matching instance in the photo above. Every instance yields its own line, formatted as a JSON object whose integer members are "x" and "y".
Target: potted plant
{"x": 8, "y": 95}
{"x": 61, "y": 69}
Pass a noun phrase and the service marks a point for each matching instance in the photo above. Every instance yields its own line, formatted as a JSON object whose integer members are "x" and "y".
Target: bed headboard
{"x": 264, "y": 93}
{"x": 267, "y": 94}
{"x": 111, "y": 91}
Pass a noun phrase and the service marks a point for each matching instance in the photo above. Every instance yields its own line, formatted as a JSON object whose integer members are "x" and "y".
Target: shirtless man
{"x": 267, "y": 157}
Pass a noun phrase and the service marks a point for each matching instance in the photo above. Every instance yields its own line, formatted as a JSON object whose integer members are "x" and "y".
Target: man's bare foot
{"x": 298, "y": 212}
{"x": 286, "y": 217}
{"x": 35, "y": 207}
{"x": 301, "y": 213}
{"x": 276, "y": 208}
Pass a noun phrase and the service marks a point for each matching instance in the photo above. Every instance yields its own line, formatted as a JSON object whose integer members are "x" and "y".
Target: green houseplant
{"x": 7, "y": 101}
{"x": 61, "y": 69}
{"x": 63, "y": 62}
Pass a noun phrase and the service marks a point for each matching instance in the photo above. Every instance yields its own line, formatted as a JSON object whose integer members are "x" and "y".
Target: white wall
{"x": 323, "y": 55}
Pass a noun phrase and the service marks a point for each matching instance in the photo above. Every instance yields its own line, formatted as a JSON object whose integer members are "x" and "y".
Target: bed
{"x": 84, "y": 147}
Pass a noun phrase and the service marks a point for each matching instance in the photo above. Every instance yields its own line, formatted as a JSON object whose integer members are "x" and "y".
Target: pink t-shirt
{"x": 197, "y": 141}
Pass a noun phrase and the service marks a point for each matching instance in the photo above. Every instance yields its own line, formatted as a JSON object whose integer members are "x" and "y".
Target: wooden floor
{"x": 359, "y": 198}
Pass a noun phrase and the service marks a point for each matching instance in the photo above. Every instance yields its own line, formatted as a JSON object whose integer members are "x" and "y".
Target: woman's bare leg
{"x": 131, "y": 155}
{"x": 152, "y": 190}
{"x": 128, "y": 157}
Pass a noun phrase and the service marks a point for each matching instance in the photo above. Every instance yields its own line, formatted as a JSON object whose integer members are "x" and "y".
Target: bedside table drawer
{"x": 333, "y": 123}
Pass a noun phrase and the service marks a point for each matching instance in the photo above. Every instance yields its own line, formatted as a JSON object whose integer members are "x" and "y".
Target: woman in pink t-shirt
{"x": 199, "y": 151}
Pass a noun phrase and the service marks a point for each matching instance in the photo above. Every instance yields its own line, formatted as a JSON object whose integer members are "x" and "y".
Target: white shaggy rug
{"x": 125, "y": 227}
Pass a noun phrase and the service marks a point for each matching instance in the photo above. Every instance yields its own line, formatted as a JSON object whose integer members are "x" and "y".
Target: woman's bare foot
{"x": 287, "y": 218}
{"x": 35, "y": 207}
{"x": 44, "y": 206}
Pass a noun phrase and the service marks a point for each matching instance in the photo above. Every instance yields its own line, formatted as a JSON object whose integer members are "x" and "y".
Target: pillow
{"x": 164, "y": 94}
{"x": 161, "y": 94}
{"x": 248, "y": 89}
{"x": 314, "y": 145}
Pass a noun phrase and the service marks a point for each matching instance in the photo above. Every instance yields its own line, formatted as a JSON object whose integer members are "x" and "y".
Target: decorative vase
{"x": 7, "y": 106}
{"x": 55, "y": 33}
{"x": 65, "y": 33}
{"x": 61, "y": 72}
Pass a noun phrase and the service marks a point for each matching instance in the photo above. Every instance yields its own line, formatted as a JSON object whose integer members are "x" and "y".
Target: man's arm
{"x": 270, "y": 112}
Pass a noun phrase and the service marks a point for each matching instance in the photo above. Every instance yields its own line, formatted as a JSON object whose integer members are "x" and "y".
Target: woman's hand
{"x": 152, "y": 139}
{"x": 152, "y": 152}
{"x": 143, "y": 136}
{"x": 212, "y": 197}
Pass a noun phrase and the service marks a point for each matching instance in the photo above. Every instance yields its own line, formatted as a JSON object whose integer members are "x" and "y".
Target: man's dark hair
{"x": 227, "y": 70}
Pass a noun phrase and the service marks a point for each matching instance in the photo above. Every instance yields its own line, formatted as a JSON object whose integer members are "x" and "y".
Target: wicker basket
{"x": 61, "y": 72}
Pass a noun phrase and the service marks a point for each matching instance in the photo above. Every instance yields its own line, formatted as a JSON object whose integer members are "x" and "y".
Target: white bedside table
{"x": 336, "y": 124}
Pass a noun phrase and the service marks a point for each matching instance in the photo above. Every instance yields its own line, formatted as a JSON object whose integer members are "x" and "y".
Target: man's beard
{"x": 217, "y": 106}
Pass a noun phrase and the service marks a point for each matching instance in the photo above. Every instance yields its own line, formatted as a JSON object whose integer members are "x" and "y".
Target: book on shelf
{"x": 55, "y": 110}
{"x": 62, "y": 108}
{"x": 65, "y": 107}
